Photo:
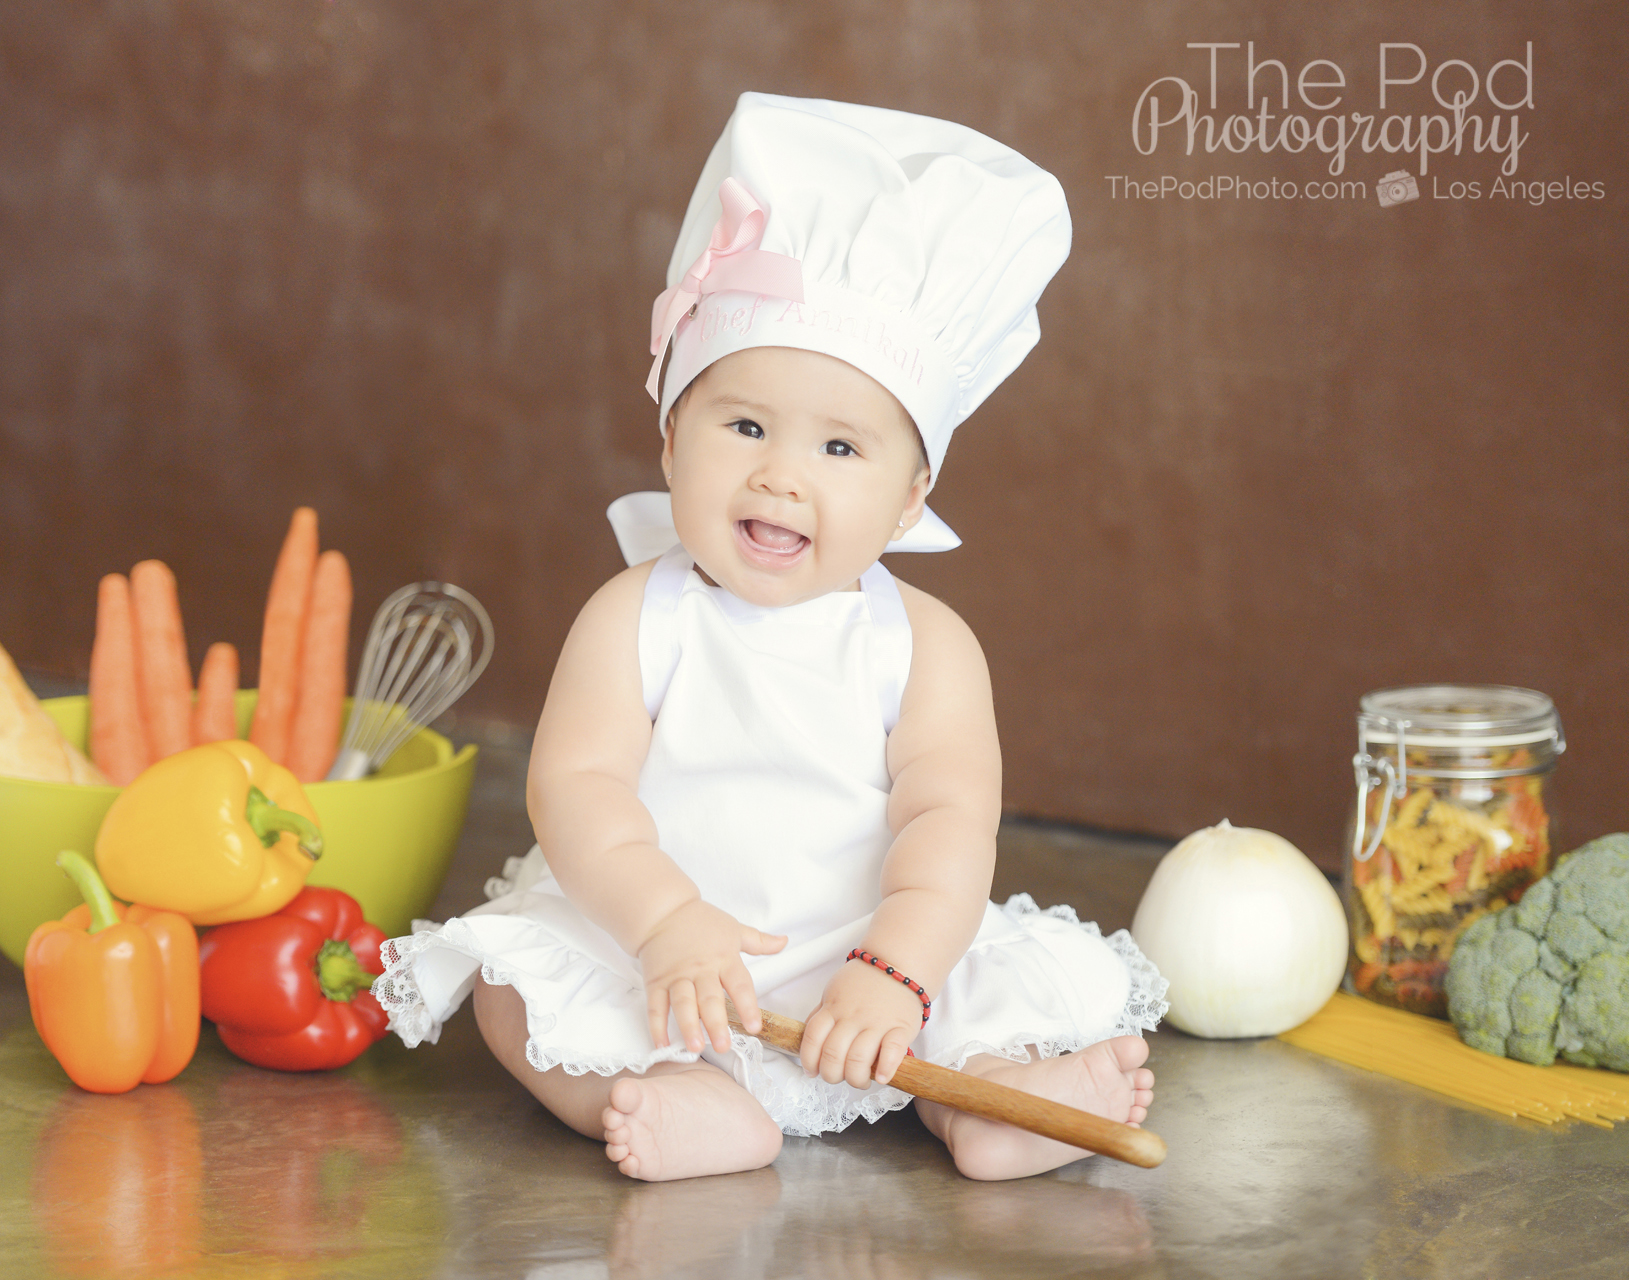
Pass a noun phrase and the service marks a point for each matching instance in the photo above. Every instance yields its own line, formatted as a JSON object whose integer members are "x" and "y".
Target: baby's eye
{"x": 748, "y": 428}
{"x": 838, "y": 448}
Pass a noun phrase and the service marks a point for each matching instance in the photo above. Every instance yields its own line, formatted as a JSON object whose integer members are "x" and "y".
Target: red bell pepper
{"x": 316, "y": 1171}
{"x": 290, "y": 990}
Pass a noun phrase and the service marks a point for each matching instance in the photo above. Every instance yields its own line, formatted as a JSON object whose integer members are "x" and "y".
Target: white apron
{"x": 768, "y": 782}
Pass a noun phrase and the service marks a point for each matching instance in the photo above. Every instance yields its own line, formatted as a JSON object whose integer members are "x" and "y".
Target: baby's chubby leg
{"x": 678, "y": 1120}
{"x": 1107, "y": 1079}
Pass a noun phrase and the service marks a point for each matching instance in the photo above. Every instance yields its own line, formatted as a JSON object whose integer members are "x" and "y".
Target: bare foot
{"x": 1053, "y": 1218}
{"x": 686, "y": 1125}
{"x": 1107, "y": 1079}
{"x": 667, "y": 1228}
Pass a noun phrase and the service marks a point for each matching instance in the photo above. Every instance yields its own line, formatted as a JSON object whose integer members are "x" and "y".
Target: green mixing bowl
{"x": 387, "y": 839}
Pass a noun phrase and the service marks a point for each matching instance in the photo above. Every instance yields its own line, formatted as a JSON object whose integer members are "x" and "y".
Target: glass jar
{"x": 1452, "y": 821}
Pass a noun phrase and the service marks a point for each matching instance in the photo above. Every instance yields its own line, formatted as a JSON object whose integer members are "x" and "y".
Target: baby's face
{"x": 790, "y": 473}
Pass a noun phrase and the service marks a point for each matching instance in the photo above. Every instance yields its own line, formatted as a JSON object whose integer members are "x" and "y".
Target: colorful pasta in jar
{"x": 1452, "y": 821}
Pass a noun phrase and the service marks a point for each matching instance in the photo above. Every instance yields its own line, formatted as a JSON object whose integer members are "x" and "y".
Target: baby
{"x": 766, "y": 772}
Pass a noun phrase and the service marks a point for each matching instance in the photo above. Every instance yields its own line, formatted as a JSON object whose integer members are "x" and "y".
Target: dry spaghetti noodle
{"x": 1429, "y": 1053}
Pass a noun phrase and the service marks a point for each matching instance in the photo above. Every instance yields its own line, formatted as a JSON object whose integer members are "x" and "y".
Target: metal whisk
{"x": 427, "y": 644}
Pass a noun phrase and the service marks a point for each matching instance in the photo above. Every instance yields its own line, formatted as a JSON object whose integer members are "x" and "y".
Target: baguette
{"x": 31, "y": 745}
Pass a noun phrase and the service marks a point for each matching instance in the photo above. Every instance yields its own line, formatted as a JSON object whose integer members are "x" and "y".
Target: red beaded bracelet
{"x": 897, "y": 976}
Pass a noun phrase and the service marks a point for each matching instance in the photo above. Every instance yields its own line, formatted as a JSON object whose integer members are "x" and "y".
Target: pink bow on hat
{"x": 731, "y": 260}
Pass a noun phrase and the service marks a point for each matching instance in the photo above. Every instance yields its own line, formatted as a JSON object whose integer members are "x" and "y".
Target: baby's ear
{"x": 916, "y": 499}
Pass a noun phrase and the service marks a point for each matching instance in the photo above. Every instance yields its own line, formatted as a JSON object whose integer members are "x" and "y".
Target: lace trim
{"x": 499, "y": 885}
{"x": 397, "y": 993}
{"x": 576, "y": 1064}
{"x": 409, "y": 1016}
{"x": 812, "y": 1107}
{"x": 816, "y": 1107}
{"x": 1145, "y": 1005}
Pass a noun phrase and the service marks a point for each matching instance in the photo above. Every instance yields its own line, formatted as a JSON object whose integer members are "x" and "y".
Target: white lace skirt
{"x": 1031, "y": 980}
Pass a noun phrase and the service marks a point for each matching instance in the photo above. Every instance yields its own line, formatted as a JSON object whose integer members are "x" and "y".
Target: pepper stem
{"x": 270, "y": 821}
{"x": 79, "y": 870}
{"x": 340, "y": 973}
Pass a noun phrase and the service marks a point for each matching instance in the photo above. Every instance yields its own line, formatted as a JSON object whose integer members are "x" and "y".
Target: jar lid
{"x": 1458, "y": 715}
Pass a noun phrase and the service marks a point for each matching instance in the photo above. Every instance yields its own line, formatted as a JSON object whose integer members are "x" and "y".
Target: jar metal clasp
{"x": 1373, "y": 771}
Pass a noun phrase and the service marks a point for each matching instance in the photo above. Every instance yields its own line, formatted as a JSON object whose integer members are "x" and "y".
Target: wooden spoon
{"x": 992, "y": 1101}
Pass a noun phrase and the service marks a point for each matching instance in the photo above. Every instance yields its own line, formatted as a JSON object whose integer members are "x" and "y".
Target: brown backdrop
{"x": 396, "y": 261}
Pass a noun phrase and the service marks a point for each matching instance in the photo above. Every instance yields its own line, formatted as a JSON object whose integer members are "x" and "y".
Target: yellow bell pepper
{"x": 216, "y": 833}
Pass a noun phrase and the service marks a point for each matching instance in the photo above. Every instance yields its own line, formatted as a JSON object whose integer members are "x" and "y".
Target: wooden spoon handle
{"x": 993, "y": 1101}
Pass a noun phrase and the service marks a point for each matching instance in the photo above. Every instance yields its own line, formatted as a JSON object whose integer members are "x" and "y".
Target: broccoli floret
{"x": 1594, "y": 1024}
{"x": 1490, "y": 958}
{"x": 1550, "y": 975}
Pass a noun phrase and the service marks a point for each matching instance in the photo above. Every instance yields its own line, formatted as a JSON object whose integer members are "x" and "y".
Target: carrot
{"x": 118, "y": 735}
{"x": 215, "y": 714}
{"x": 286, "y": 604}
{"x": 163, "y": 678}
{"x": 315, "y": 736}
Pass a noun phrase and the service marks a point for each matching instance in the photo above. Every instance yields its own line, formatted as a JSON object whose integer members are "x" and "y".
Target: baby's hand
{"x": 862, "y": 1028}
{"x": 692, "y": 960}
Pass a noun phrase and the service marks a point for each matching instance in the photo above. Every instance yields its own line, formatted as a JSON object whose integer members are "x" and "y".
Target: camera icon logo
{"x": 1398, "y": 187}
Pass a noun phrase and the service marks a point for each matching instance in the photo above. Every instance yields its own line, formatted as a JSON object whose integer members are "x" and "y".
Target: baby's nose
{"x": 780, "y": 476}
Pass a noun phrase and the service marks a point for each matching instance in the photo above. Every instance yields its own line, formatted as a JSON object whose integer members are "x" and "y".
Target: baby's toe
{"x": 1142, "y": 1078}
{"x": 1129, "y": 1051}
{"x": 626, "y": 1096}
{"x": 1143, "y": 1098}
{"x": 1137, "y": 1116}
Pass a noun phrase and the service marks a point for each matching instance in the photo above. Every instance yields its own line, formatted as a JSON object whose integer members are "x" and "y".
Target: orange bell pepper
{"x": 118, "y": 1186}
{"x": 179, "y": 1019}
{"x": 113, "y": 991}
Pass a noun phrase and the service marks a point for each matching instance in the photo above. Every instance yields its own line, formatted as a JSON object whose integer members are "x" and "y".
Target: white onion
{"x": 1249, "y": 933}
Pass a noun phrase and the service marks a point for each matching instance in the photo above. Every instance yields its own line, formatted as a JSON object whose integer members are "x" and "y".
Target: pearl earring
{"x": 901, "y": 523}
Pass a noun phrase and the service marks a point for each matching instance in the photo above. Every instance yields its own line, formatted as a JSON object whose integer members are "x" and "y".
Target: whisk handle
{"x": 349, "y": 765}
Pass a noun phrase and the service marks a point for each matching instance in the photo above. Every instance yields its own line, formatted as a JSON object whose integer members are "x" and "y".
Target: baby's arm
{"x": 582, "y": 792}
{"x": 943, "y": 810}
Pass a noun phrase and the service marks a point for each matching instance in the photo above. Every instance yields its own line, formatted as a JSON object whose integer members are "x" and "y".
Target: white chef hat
{"x": 912, "y": 248}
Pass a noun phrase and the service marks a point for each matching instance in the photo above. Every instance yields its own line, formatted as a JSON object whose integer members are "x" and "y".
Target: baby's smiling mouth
{"x": 771, "y": 539}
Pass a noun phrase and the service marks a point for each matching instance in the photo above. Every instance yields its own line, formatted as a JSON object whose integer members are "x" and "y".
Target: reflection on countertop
{"x": 434, "y": 1163}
